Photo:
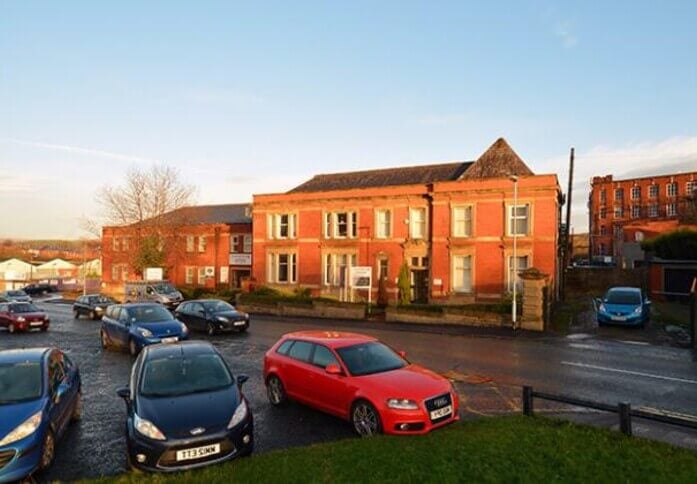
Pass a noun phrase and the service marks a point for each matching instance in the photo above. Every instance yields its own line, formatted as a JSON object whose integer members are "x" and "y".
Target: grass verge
{"x": 504, "y": 449}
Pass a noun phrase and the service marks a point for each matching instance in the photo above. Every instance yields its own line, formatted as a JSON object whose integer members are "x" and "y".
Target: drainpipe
{"x": 429, "y": 240}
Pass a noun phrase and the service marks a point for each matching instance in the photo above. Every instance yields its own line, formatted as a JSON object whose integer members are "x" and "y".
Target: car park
{"x": 185, "y": 409}
{"x": 358, "y": 378}
{"x": 40, "y": 393}
{"x": 212, "y": 316}
{"x": 91, "y": 305}
{"x": 22, "y": 316}
{"x": 625, "y": 306}
{"x": 134, "y": 326}
{"x": 16, "y": 295}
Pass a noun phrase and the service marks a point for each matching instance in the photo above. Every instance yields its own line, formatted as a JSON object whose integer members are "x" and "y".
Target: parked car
{"x": 22, "y": 316}
{"x": 625, "y": 306}
{"x": 92, "y": 305}
{"x": 212, "y": 316}
{"x": 134, "y": 326}
{"x": 162, "y": 292}
{"x": 360, "y": 379}
{"x": 185, "y": 409}
{"x": 40, "y": 393}
{"x": 17, "y": 295}
{"x": 39, "y": 289}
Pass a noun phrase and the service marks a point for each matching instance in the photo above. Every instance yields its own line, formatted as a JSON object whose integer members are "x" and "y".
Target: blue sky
{"x": 256, "y": 97}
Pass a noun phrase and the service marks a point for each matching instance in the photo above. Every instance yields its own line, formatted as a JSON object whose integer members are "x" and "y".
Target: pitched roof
{"x": 231, "y": 213}
{"x": 497, "y": 162}
{"x": 410, "y": 175}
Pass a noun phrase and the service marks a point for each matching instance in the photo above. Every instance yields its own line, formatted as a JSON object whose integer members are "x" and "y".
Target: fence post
{"x": 528, "y": 408}
{"x": 625, "y": 411}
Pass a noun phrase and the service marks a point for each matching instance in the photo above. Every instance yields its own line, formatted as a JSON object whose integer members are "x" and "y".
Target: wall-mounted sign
{"x": 240, "y": 259}
{"x": 153, "y": 274}
{"x": 361, "y": 277}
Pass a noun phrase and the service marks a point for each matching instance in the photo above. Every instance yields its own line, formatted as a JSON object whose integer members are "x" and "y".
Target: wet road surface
{"x": 488, "y": 372}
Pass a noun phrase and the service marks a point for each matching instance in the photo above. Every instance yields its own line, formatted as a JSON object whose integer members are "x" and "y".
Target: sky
{"x": 256, "y": 97}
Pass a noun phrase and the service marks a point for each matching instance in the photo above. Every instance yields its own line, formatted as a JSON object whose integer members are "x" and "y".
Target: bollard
{"x": 625, "y": 412}
{"x": 527, "y": 401}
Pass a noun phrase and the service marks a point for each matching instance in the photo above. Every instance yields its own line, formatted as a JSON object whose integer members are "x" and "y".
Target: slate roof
{"x": 497, "y": 162}
{"x": 231, "y": 213}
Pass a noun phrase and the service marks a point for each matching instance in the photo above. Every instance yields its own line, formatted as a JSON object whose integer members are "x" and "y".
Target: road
{"x": 488, "y": 371}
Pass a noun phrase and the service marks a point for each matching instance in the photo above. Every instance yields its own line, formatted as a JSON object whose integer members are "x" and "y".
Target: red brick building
{"x": 453, "y": 224}
{"x": 208, "y": 246}
{"x": 614, "y": 204}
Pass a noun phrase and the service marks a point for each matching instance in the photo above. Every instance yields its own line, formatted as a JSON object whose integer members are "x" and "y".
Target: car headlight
{"x": 637, "y": 310}
{"x": 23, "y": 430}
{"x": 222, "y": 319}
{"x": 145, "y": 333}
{"x": 99, "y": 308}
{"x": 402, "y": 404}
{"x": 184, "y": 328}
{"x": 21, "y": 319}
{"x": 239, "y": 415}
{"x": 147, "y": 428}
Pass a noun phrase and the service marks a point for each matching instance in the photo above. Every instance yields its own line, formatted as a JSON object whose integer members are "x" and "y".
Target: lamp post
{"x": 514, "y": 308}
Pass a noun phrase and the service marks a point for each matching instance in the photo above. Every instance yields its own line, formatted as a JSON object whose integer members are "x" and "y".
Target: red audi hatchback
{"x": 360, "y": 379}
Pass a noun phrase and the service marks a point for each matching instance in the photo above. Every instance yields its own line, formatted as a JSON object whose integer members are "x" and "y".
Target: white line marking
{"x": 628, "y": 372}
{"x": 580, "y": 346}
{"x": 628, "y": 342}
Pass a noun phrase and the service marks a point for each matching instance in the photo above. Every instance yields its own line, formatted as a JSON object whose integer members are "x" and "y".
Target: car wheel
{"x": 77, "y": 409}
{"x": 44, "y": 328}
{"x": 211, "y": 329}
{"x": 365, "y": 419}
{"x": 48, "y": 451}
{"x": 275, "y": 391}
{"x": 243, "y": 329}
{"x": 105, "y": 339}
{"x": 93, "y": 315}
{"x": 76, "y": 314}
{"x": 11, "y": 328}
{"x": 132, "y": 347}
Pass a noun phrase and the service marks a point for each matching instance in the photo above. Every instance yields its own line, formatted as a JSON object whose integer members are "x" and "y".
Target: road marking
{"x": 581, "y": 346}
{"x": 628, "y": 342}
{"x": 579, "y": 336}
{"x": 628, "y": 372}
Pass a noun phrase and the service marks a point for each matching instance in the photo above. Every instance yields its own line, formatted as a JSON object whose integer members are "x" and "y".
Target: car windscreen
{"x": 19, "y": 381}
{"x": 623, "y": 297}
{"x": 167, "y": 377}
{"x": 149, "y": 314}
{"x": 368, "y": 358}
{"x": 101, "y": 300}
{"x": 163, "y": 288}
{"x": 24, "y": 308}
{"x": 16, "y": 293}
{"x": 217, "y": 306}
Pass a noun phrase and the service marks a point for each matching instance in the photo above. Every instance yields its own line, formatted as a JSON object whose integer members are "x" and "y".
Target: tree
{"x": 676, "y": 245}
{"x": 404, "y": 284}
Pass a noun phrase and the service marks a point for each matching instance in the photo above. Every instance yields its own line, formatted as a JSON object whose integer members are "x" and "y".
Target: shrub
{"x": 404, "y": 284}
{"x": 678, "y": 245}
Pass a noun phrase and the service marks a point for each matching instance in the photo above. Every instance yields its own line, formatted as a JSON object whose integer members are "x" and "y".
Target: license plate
{"x": 619, "y": 318}
{"x": 36, "y": 323}
{"x": 441, "y": 412}
{"x": 239, "y": 323}
{"x": 198, "y": 452}
{"x": 169, "y": 340}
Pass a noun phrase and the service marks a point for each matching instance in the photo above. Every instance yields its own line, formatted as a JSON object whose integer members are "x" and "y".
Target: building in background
{"x": 452, "y": 224}
{"x": 56, "y": 268}
{"x": 15, "y": 273}
{"x": 647, "y": 202}
{"x": 210, "y": 246}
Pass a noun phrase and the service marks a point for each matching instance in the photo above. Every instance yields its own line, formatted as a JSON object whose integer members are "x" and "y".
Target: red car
{"x": 360, "y": 379}
{"x": 21, "y": 316}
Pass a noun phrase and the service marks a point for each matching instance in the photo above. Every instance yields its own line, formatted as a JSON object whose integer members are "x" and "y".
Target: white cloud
{"x": 79, "y": 150}
{"x": 565, "y": 32}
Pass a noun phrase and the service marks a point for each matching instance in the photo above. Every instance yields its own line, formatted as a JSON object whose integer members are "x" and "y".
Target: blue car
{"x": 134, "y": 326}
{"x": 623, "y": 306}
{"x": 185, "y": 409}
{"x": 40, "y": 394}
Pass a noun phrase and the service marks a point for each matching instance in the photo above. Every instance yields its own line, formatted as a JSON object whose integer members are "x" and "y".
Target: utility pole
{"x": 567, "y": 229}
{"x": 514, "y": 305}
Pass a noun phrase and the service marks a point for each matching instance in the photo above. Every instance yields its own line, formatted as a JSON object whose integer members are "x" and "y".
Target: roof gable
{"x": 498, "y": 161}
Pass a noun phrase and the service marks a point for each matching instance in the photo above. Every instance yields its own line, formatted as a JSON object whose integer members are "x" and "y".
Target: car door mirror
{"x": 402, "y": 354}
{"x": 333, "y": 369}
{"x": 647, "y": 302}
{"x": 124, "y": 393}
{"x": 241, "y": 379}
{"x": 60, "y": 392}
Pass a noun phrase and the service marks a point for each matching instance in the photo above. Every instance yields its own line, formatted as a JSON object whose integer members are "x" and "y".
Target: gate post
{"x": 625, "y": 411}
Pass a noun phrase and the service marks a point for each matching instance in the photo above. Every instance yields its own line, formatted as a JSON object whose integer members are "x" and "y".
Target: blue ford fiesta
{"x": 39, "y": 395}
{"x": 624, "y": 306}
{"x": 134, "y": 326}
{"x": 185, "y": 409}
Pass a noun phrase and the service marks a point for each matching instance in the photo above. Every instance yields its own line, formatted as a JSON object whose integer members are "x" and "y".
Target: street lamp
{"x": 514, "y": 308}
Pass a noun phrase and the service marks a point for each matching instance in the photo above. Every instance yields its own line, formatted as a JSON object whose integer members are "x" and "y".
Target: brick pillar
{"x": 534, "y": 283}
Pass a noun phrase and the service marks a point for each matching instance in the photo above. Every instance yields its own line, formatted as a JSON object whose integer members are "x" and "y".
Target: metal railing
{"x": 623, "y": 409}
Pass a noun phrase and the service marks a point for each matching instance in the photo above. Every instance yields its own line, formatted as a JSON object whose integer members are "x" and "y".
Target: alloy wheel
{"x": 275, "y": 391}
{"x": 365, "y": 419}
{"x": 76, "y": 314}
{"x": 211, "y": 329}
{"x": 93, "y": 315}
{"x": 11, "y": 328}
{"x": 77, "y": 409}
{"x": 48, "y": 450}
{"x": 132, "y": 348}
{"x": 105, "y": 340}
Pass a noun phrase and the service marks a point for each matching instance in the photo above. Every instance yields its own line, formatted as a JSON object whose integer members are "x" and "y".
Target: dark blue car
{"x": 39, "y": 395}
{"x": 623, "y": 306}
{"x": 185, "y": 409}
{"x": 134, "y": 326}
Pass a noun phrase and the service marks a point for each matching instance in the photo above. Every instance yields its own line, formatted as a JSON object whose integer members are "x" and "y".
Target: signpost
{"x": 361, "y": 277}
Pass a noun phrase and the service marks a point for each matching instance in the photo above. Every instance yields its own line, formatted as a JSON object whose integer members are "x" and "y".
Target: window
{"x": 285, "y": 346}
{"x": 116, "y": 244}
{"x": 202, "y": 243}
{"x": 653, "y": 191}
{"x": 603, "y": 196}
{"x": 518, "y": 219}
{"x": 189, "y": 276}
{"x": 462, "y": 273}
{"x": 340, "y": 225}
{"x": 383, "y": 224}
{"x": 636, "y": 193}
{"x": 382, "y": 268}
{"x": 603, "y": 212}
{"x": 234, "y": 244}
{"x": 603, "y": 230}
{"x": 282, "y": 268}
{"x": 115, "y": 272}
{"x": 201, "y": 275}
{"x": 601, "y": 249}
{"x": 617, "y": 229}
{"x": 323, "y": 357}
{"x": 691, "y": 188}
{"x": 671, "y": 210}
{"x": 515, "y": 267}
{"x": 336, "y": 267}
{"x": 653, "y": 210}
{"x": 282, "y": 226}
{"x": 417, "y": 223}
{"x": 247, "y": 244}
{"x": 301, "y": 351}
{"x": 189, "y": 243}
{"x": 636, "y": 211}
{"x": 672, "y": 189}
{"x": 124, "y": 243}
{"x": 619, "y": 194}
{"x": 619, "y": 212}
{"x": 462, "y": 221}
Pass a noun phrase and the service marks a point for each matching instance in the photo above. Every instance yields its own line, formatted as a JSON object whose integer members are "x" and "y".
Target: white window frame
{"x": 418, "y": 225}
{"x": 234, "y": 243}
{"x": 189, "y": 274}
{"x": 636, "y": 211}
{"x": 691, "y": 188}
{"x": 202, "y": 243}
{"x": 462, "y": 225}
{"x": 116, "y": 244}
{"x": 273, "y": 262}
{"x": 671, "y": 210}
{"x": 115, "y": 272}
{"x": 654, "y": 190}
{"x": 190, "y": 243}
{"x": 378, "y": 267}
{"x": 619, "y": 194}
{"x": 618, "y": 212}
{"x": 603, "y": 213}
{"x": 512, "y": 218}
{"x": 603, "y": 196}
{"x": 331, "y": 224}
{"x": 247, "y": 243}
{"x": 636, "y": 192}
{"x": 383, "y": 223}
{"x": 463, "y": 263}
{"x": 201, "y": 276}
{"x": 275, "y": 223}
{"x": 672, "y": 189}
{"x": 653, "y": 210}
{"x": 331, "y": 267}
{"x": 509, "y": 271}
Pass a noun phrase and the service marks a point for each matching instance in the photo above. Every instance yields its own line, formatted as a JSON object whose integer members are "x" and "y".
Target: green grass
{"x": 504, "y": 449}
{"x": 564, "y": 312}
{"x": 671, "y": 313}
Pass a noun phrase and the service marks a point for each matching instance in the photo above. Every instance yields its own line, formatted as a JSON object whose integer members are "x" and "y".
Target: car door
{"x": 182, "y": 314}
{"x": 4, "y": 314}
{"x": 197, "y": 316}
{"x": 122, "y": 327}
{"x": 329, "y": 392}
{"x": 297, "y": 381}
{"x": 59, "y": 408}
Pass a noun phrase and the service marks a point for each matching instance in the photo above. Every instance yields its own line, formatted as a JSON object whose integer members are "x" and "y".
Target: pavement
{"x": 487, "y": 368}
